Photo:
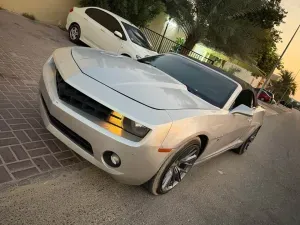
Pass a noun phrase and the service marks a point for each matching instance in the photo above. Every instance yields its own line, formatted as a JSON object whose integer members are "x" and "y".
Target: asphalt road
{"x": 260, "y": 187}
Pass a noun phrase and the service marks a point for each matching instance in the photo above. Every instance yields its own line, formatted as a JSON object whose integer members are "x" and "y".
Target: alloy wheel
{"x": 74, "y": 32}
{"x": 250, "y": 139}
{"x": 180, "y": 168}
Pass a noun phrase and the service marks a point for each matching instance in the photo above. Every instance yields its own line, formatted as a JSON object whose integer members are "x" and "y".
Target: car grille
{"x": 79, "y": 100}
{"x": 68, "y": 132}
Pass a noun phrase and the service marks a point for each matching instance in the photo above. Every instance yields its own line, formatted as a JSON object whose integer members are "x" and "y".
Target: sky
{"x": 291, "y": 59}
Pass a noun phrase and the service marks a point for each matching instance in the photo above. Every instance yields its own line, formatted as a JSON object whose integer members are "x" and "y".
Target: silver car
{"x": 147, "y": 121}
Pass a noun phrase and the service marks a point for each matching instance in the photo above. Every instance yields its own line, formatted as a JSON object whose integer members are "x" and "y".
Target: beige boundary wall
{"x": 48, "y": 11}
{"x": 56, "y": 11}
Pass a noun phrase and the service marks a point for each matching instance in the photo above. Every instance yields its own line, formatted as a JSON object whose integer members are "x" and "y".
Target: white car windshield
{"x": 200, "y": 80}
{"x": 137, "y": 37}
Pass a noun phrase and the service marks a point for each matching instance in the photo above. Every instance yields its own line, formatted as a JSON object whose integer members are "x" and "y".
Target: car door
{"x": 234, "y": 126}
{"x": 100, "y": 28}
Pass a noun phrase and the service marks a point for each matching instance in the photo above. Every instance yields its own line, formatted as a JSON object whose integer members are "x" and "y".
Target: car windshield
{"x": 137, "y": 37}
{"x": 199, "y": 79}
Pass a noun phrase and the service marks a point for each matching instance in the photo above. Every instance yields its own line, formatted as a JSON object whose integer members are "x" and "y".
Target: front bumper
{"x": 140, "y": 159}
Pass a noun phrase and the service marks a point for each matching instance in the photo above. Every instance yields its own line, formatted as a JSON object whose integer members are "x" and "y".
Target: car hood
{"x": 138, "y": 81}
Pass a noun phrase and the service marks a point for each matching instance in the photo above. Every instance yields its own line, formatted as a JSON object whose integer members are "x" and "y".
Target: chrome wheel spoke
{"x": 177, "y": 174}
{"x": 167, "y": 180}
{"x": 173, "y": 179}
{"x": 188, "y": 159}
{"x": 179, "y": 169}
{"x": 184, "y": 170}
{"x": 252, "y": 138}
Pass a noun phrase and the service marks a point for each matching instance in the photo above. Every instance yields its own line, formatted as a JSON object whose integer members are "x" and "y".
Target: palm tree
{"x": 217, "y": 23}
{"x": 285, "y": 86}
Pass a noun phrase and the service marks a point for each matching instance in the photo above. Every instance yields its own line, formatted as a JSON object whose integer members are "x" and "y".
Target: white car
{"x": 99, "y": 28}
{"x": 145, "y": 121}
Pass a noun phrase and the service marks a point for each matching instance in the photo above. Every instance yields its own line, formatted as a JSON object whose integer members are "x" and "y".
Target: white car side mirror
{"x": 118, "y": 34}
{"x": 242, "y": 110}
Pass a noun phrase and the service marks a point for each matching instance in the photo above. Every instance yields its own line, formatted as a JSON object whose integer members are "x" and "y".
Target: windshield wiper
{"x": 145, "y": 62}
{"x": 193, "y": 91}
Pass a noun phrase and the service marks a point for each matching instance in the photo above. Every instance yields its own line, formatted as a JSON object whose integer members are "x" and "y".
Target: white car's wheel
{"x": 74, "y": 33}
{"x": 175, "y": 168}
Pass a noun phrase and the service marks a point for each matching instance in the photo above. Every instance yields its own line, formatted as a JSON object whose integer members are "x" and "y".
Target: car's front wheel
{"x": 175, "y": 168}
{"x": 74, "y": 33}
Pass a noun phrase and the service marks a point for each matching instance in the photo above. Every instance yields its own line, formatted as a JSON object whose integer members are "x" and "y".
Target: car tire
{"x": 74, "y": 33}
{"x": 159, "y": 184}
{"x": 244, "y": 147}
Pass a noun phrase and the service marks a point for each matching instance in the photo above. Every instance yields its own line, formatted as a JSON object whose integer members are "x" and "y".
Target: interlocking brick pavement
{"x": 26, "y": 147}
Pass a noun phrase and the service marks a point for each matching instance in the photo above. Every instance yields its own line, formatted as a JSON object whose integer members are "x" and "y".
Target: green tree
{"x": 285, "y": 86}
{"x": 233, "y": 26}
{"x": 269, "y": 16}
{"x": 266, "y": 56}
{"x": 217, "y": 23}
{"x": 139, "y": 12}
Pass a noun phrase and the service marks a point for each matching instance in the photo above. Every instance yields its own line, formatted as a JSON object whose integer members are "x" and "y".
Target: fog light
{"x": 115, "y": 159}
{"x": 111, "y": 159}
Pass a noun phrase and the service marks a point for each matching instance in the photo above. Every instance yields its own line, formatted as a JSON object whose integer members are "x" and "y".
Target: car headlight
{"x": 135, "y": 128}
{"x": 128, "y": 125}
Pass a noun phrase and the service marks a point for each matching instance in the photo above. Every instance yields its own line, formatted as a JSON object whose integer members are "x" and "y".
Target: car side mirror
{"x": 118, "y": 34}
{"x": 242, "y": 110}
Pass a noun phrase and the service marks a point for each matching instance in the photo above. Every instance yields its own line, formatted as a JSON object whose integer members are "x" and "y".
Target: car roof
{"x": 244, "y": 84}
{"x": 112, "y": 14}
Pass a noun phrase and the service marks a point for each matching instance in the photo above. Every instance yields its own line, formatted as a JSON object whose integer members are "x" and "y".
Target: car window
{"x": 106, "y": 20}
{"x": 269, "y": 93}
{"x": 246, "y": 97}
{"x": 136, "y": 36}
{"x": 203, "y": 82}
{"x": 266, "y": 93}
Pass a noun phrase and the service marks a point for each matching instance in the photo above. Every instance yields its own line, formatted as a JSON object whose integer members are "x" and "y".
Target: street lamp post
{"x": 162, "y": 38}
{"x": 276, "y": 64}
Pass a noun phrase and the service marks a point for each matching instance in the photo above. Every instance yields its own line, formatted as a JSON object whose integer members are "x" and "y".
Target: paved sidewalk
{"x": 273, "y": 109}
{"x": 26, "y": 147}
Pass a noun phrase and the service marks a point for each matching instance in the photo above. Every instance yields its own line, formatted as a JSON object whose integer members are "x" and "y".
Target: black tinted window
{"x": 137, "y": 37}
{"x": 200, "y": 80}
{"x": 106, "y": 20}
{"x": 246, "y": 97}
